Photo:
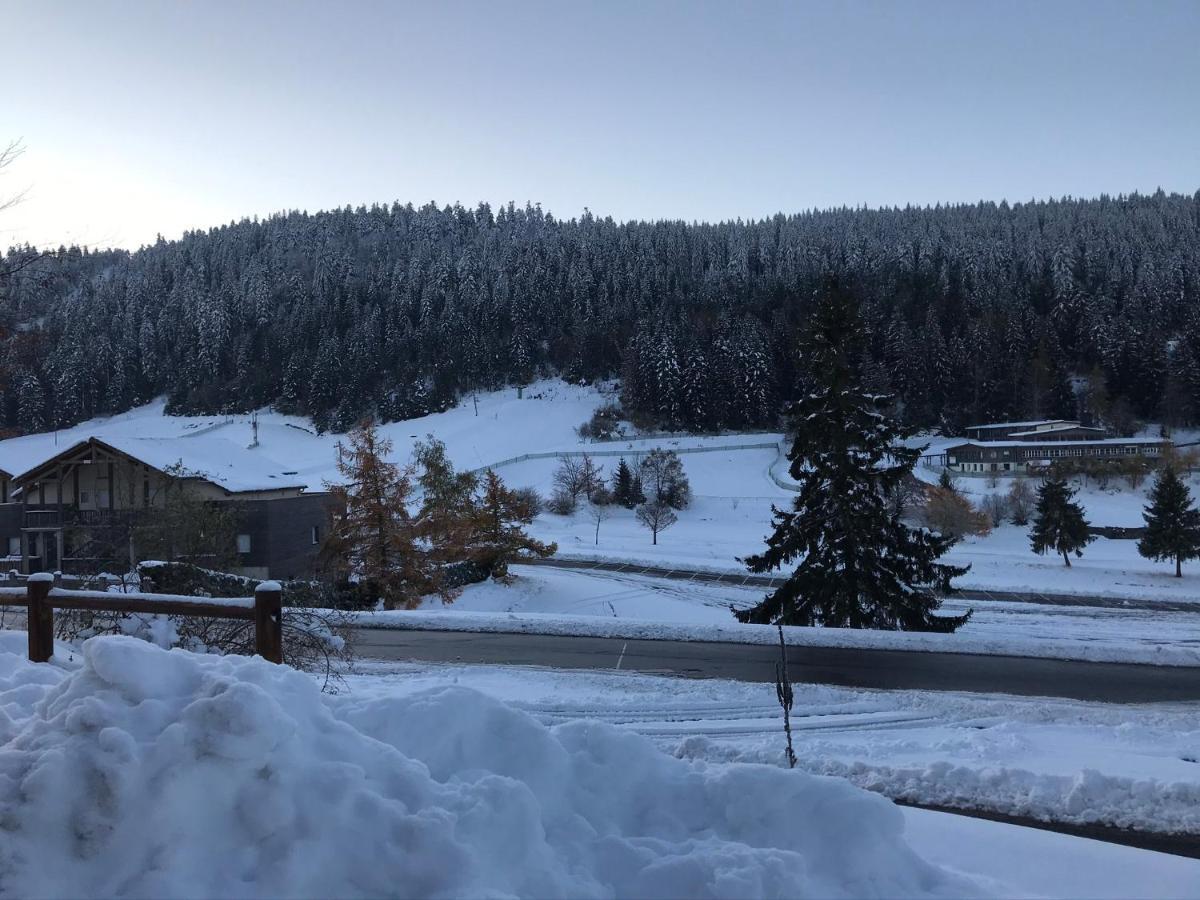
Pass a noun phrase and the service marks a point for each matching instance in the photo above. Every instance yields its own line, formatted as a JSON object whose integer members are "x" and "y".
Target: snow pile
{"x": 155, "y": 773}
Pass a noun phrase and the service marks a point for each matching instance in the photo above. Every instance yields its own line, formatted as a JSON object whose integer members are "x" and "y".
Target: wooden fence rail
{"x": 41, "y": 598}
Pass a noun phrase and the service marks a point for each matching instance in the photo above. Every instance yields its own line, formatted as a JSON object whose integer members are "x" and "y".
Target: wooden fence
{"x": 41, "y": 597}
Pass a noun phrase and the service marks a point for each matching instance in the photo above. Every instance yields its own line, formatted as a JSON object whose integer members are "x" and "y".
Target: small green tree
{"x": 1058, "y": 522}
{"x": 622, "y": 490}
{"x": 1172, "y": 523}
{"x": 447, "y": 501}
{"x": 498, "y": 537}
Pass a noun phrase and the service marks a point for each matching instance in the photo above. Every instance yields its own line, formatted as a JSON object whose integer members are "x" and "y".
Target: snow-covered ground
{"x": 1130, "y": 766}
{"x": 129, "y": 770}
{"x": 609, "y": 604}
{"x": 734, "y": 488}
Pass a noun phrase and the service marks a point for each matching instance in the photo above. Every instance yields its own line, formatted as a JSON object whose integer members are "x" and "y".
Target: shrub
{"x": 562, "y": 502}
{"x": 532, "y": 500}
{"x": 951, "y": 514}
{"x": 1020, "y": 502}
{"x": 605, "y": 423}
{"x": 995, "y": 507}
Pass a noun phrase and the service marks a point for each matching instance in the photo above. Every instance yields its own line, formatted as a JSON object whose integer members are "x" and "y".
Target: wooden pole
{"x": 41, "y": 616}
{"x": 268, "y": 621}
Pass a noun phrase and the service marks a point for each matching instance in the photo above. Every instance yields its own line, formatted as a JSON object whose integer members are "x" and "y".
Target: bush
{"x": 562, "y": 502}
{"x": 1020, "y": 502}
{"x": 995, "y": 507}
{"x": 532, "y": 500}
{"x": 605, "y": 423}
{"x": 951, "y": 514}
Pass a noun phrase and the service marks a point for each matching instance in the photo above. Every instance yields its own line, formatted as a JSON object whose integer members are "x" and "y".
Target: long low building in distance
{"x": 1025, "y": 454}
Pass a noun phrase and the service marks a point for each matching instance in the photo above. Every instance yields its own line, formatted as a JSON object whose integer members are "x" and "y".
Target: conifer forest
{"x": 979, "y": 312}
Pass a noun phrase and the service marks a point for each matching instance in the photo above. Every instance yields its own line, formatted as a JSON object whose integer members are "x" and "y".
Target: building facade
{"x": 74, "y": 512}
{"x": 1021, "y": 456}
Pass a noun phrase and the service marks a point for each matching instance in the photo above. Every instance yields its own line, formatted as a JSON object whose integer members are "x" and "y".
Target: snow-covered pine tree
{"x": 1172, "y": 522}
{"x": 1058, "y": 522}
{"x": 372, "y": 537}
{"x": 859, "y": 565}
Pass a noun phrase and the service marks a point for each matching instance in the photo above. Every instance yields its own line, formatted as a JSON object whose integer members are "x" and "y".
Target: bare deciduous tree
{"x": 657, "y": 516}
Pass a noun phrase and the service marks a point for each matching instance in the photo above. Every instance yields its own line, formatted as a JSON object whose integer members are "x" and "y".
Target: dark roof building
{"x": 1023, "y": 454}
{"x": 64, "y": 501}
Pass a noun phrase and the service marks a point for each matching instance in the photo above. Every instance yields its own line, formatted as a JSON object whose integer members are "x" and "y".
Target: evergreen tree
{"x": 372, "y": 537}
{"x": 498, "y": 537}
{"x": 1058, "y": 522}
{"x": 622, "y": 489}
{"x": 637, "y": 494}
{"x": 860, "y": 565}
{"x": 1172, "y": 523}
{"x": 446, "y": 519}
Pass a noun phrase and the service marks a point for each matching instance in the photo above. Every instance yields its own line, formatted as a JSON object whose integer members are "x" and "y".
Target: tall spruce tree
{"x": 860, "y": 565}
{"x": 1058, "y": 522}
{"x": 1172, "y": 523}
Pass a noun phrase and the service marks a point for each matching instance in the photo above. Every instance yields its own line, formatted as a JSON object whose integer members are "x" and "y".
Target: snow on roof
{"x": 1030, "y": 424}
{"x": 224, "y": 463}
{"x": 1093, "y": 443}
{"x": 1064, "y": 426}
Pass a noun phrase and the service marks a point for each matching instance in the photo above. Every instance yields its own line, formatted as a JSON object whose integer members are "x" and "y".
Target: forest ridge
{"x": 973, "y": 313}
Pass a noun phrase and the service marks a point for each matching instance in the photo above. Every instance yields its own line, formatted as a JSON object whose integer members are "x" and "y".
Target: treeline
{"x": 973, "y": 313}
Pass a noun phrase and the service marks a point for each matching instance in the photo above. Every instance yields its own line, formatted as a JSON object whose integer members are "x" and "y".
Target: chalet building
{"x": 56, "y": 508}
{"x": 1025, "y": 453}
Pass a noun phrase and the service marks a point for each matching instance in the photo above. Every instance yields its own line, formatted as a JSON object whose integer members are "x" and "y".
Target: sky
{"x": 147, "y": 117}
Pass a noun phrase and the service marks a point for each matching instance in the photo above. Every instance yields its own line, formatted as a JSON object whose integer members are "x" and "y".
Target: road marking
{"x": 622, "y": 656}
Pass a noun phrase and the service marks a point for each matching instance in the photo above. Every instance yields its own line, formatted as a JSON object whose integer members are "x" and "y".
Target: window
{"x": 83, "y": 496}
{"x": 243, "y": 543}
{"x": 316, "y": 534}
{"x": 14, "y": 546}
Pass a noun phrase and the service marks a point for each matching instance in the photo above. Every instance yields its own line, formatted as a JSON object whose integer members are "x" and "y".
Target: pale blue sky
{"x": 141, "y": 117}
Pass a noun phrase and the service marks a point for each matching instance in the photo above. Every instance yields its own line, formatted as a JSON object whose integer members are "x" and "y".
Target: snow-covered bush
{"x": 166, "y": 774}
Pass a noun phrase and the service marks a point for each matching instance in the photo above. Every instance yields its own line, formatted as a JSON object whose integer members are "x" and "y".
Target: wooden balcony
{"x": 54, "y": 517}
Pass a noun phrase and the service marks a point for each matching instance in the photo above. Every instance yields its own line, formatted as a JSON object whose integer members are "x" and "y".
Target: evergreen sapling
{"x": 1172, "y": 522}
{"x": 1058, "y": 522}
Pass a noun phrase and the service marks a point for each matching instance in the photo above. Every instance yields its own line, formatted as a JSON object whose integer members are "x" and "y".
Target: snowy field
{"x": 609, "y": 604}
{"x": 733, "y": 488}
{"x": 129, "y": 770}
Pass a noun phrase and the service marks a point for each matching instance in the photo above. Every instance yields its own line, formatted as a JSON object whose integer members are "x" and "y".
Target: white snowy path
{"x": 1119, "y": 765}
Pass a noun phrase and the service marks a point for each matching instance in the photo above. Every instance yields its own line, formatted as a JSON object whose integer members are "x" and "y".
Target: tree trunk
{"x": 1066, "y": 559}
{"x": 1179, "y": 567}
{"x": 654, "y": 537}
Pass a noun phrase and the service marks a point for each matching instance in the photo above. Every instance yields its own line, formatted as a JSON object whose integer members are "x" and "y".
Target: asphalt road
{"x": 739, "y": 579}
{"x": 890, "y": 669}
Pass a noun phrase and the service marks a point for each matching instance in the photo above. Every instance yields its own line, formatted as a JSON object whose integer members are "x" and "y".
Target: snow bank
{"x": 155, "y": 773}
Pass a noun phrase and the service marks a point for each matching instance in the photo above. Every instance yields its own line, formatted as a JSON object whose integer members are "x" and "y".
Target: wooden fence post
{"x": 41, "y": 616}
{"x": 268, "y": 621}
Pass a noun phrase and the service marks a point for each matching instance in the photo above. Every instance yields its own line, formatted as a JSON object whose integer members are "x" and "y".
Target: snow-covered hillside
{"x": 734, "y": 482}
